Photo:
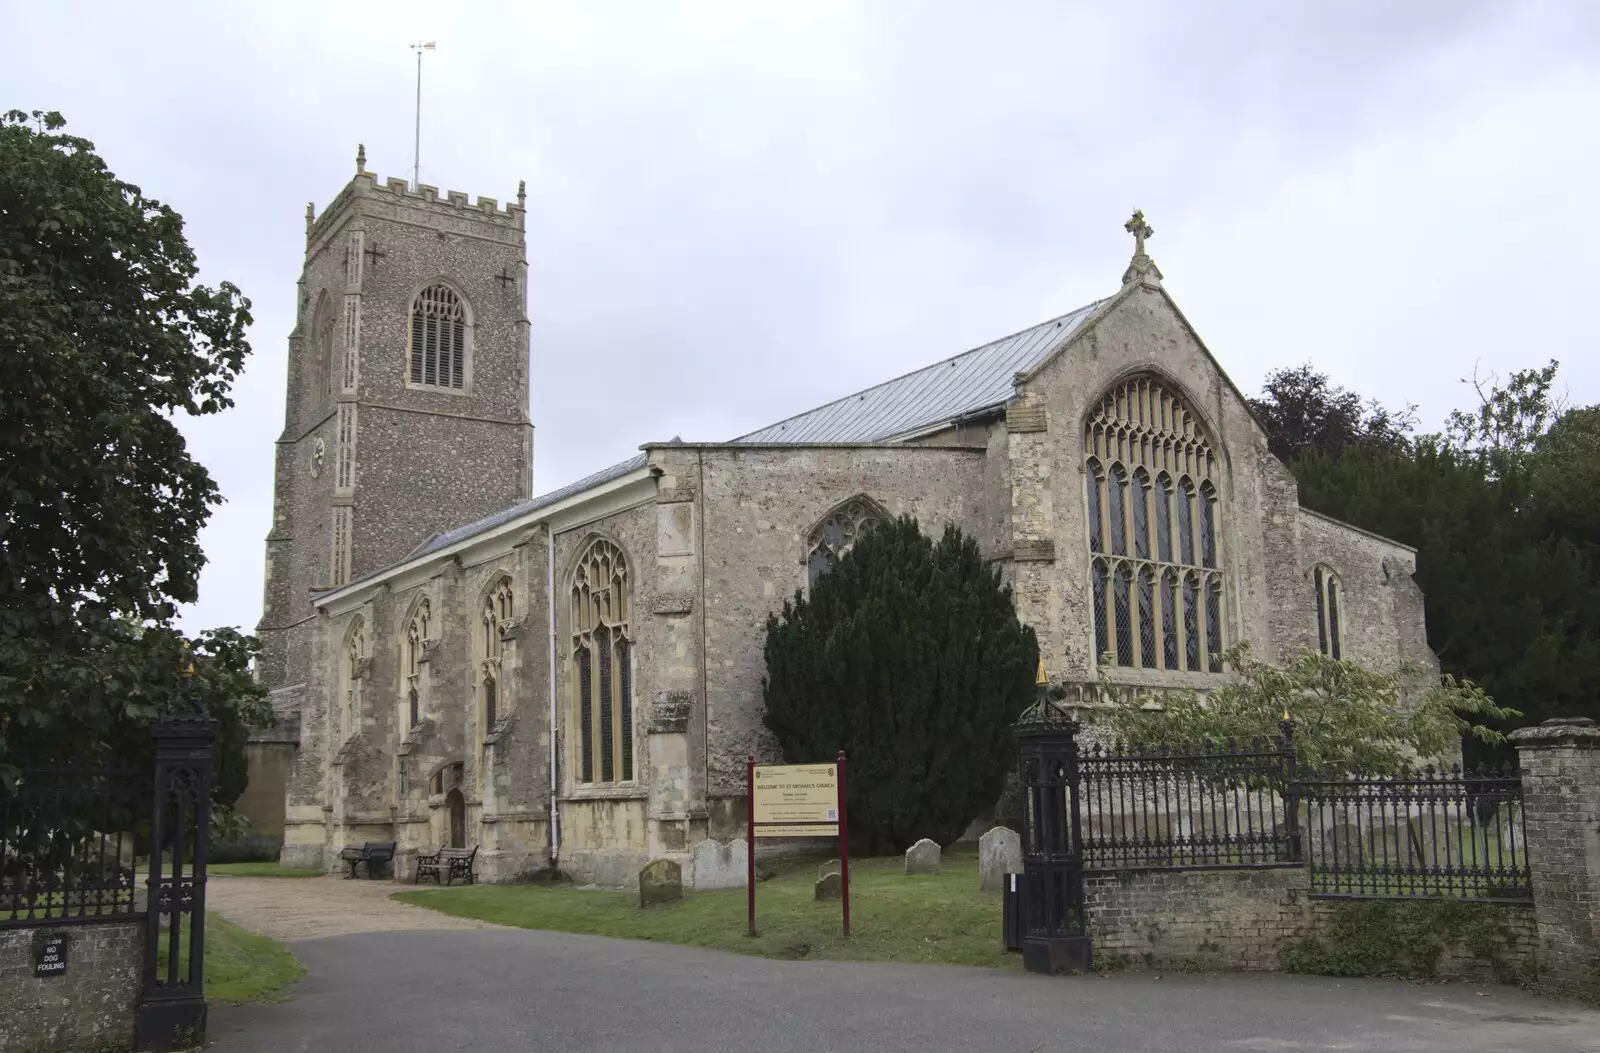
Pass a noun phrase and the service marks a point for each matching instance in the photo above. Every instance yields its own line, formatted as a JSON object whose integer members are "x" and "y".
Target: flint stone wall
{"x": 89, "y": 1007}
{"x": 1244, "y": 919}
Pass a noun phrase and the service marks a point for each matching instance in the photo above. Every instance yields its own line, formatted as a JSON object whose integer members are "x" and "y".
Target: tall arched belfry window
{"x": 602, "y": 663}
{"x": 837, "y": 534}
{"x": 1330, "y": 612}
{"x": 438, "y": 339}
{"x": 1155, "y": 566}
{"x": 498, "y": 610}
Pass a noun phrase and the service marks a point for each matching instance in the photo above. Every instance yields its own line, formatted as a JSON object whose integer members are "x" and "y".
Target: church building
{"x": 574, "y": 677}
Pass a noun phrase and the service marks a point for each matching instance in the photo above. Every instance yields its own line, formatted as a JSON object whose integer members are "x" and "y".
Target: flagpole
{"x": 416, "y": 155}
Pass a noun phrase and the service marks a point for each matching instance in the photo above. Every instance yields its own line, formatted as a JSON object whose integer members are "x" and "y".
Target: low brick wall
{"x": 88, "y": 1007}
{"x": 1248, "y": 919}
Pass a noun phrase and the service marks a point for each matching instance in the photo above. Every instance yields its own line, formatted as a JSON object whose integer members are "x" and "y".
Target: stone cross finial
{"x": 361, "y": 158}
{"x": 1142, "y": 268}
{"x": 1140, "y": 231}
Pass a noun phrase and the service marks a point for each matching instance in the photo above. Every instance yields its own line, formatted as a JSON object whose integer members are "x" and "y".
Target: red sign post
{"x": 796, "y": 800}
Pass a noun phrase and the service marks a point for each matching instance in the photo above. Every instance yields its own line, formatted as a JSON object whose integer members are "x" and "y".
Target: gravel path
{"x": 290, "y": 909}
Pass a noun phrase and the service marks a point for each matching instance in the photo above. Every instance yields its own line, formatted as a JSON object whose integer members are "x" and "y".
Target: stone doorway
{"x": 457, "y": 807}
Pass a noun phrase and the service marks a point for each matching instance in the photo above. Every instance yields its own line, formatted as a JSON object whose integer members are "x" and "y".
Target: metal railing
{"x": 67, "y": 844}
{"x": 1206, "y": 806}
{"x": 1438, "y": 835}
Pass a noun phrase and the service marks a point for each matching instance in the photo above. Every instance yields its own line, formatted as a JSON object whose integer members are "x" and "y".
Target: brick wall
{"x": 1244, "y": 919}
{"x": 88, "y": 1007}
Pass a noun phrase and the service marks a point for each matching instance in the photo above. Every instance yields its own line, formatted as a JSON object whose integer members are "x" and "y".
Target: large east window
{"x": 1155, "y": 564}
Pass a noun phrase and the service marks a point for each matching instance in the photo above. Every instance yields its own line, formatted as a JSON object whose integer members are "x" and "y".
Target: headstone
{"x": 832, "y": 866}
{"x": 830, "y": 886}
{"x": 923, "y": 857}
{"x": 718, "y": 865}
{"x": 660, "y": 881}
{"x": 999, "y": 854}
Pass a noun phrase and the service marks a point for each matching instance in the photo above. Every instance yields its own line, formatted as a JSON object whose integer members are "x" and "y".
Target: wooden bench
{"x": 375, "y": 854}
{"x": 452, "y": 862}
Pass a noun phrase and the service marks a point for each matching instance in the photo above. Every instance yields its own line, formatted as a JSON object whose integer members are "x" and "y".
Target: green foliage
{"x": 104, "y": 337}
{"x": 909, "y": 656}
{"x": 1348, "y": 719}
{"x": 1406, "y": 939}
{"x": 1504, "y": 511}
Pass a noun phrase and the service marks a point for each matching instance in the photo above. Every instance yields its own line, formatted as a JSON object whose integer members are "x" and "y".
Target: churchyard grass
{"x": 923, "y": 918}
{"x": 261, "y": 870}
{"x": 241, "y": 966}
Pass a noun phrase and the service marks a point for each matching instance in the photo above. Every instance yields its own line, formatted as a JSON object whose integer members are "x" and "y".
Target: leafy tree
{"x": 104, "y": 338}
{"x": 1348, "y": 719}
{"x": 1502, "y": 511}
{"x": 909, "y": 656}
{"x": 1302, "y": 411}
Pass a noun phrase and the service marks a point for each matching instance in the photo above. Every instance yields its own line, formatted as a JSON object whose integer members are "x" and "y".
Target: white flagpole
{"x": 416, "y": 155}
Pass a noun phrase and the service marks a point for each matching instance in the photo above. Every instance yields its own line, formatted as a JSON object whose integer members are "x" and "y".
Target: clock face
{"x": 319, "y": 451}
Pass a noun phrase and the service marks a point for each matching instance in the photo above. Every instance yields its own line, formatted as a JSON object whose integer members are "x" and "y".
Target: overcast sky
{"x": 740, "y": 210}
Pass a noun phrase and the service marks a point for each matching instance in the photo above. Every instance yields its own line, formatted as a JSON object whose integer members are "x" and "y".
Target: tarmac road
{"x": 509, "y": 989}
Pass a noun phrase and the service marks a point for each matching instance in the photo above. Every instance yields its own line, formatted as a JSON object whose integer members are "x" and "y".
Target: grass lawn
{"x": 260, "y": 870}
{"x": 240, "y": 965}
{"x": 926, "y": 918}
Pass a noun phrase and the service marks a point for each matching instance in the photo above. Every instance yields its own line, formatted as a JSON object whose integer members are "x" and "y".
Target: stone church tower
{"x": 407, "y": 402}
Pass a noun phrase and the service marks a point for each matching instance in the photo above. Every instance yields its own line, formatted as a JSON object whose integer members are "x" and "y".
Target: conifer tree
{"x": 909, "y": 656}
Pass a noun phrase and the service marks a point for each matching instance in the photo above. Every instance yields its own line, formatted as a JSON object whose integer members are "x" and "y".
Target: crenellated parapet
{"x": 394, "y": 197}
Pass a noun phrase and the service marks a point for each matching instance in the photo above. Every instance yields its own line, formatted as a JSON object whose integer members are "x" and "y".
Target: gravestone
{"x": 923, "y": 857}
{"x": 660, "y": 881}
{"x": 829, "y": 886}
{"x": 718, "y": 865}
{"x": 999, "y": 854}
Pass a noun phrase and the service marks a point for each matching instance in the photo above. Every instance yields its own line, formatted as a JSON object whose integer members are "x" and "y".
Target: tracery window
{"x": 416, "y": 636}
{"x": 498, "y": 610}
{"x": 602, "y": 652}
{"x": 438, "y": 339}
{"x": 347, "y": 713}
{"x": 837, "y": 534}
{"x": 1330, "y": 612}
{"x": 1155, "y": 559}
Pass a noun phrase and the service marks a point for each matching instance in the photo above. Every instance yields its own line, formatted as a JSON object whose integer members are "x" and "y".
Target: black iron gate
{"x": 172, "y": 1005}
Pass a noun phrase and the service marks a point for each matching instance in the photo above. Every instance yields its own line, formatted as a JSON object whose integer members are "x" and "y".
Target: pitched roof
{"x": 956, "y": 387}
{"x": 971, "y": 381}
{"x": 461, "y": 533}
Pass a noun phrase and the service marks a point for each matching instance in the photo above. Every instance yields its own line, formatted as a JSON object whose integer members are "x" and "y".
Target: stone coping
{"x": 1581, "y": 732}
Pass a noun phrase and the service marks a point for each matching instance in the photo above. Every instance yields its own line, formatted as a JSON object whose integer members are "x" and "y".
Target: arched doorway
{"x": 457, "y": 806}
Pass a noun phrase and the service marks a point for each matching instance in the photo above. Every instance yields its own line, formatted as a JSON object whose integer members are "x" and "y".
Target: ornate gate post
{"x": 172, "y": 1005}
{"x": 1055, "y": 925}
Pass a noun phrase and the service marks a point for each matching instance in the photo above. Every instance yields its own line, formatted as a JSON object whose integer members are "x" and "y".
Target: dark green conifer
{"x": 909, "y": 656}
